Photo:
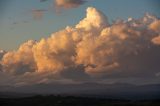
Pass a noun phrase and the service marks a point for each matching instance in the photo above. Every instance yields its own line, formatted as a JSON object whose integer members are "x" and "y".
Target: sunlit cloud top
{"x": 92, "y": 50}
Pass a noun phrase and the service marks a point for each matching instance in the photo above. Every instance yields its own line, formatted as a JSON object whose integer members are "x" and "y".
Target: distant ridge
{"x": 117, "y": 90}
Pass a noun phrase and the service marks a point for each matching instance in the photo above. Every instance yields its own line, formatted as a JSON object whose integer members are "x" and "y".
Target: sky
{"x": 78, "y": 41}
{"x": 18, "y": 24}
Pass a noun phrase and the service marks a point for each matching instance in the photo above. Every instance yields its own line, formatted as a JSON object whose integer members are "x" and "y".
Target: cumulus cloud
{"x": 91, "y": 49}
{"x": 21, "y": 61}
{"x": 155, "y": 26}
{"x": 94, "y": 20}
{"x": 69, "y": 3}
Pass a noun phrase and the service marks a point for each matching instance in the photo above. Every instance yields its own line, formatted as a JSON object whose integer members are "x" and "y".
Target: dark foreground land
{"x": 73, "y": 101}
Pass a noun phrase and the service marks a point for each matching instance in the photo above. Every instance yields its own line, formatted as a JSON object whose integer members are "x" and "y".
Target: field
{"x": 73, "y": 101}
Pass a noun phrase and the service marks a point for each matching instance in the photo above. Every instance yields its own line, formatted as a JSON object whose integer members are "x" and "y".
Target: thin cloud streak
{"x": 38, "y": 13}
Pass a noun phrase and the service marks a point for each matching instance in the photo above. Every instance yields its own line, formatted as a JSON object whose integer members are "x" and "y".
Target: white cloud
{"x": 21, "y": 61}
{"x": 94, "y": 20}
{"x": 93, "y": 48}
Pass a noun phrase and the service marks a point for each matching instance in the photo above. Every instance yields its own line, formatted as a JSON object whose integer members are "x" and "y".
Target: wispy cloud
{"x": 38, "y": 13}
{"x": 43, "y": 0}
{"x": 69, "y": 3}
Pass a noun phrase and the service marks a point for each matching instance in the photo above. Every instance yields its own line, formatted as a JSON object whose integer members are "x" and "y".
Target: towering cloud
{"x": 94, "y": 20}
{"x": 92, "y": 49}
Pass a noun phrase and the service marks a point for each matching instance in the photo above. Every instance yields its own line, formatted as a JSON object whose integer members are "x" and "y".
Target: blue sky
{"x": 17, "y": 24}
